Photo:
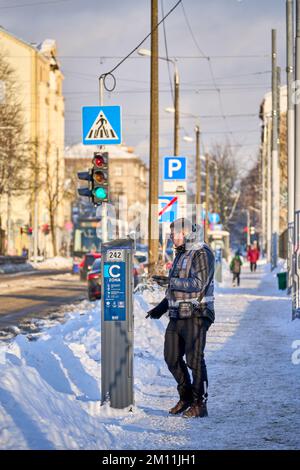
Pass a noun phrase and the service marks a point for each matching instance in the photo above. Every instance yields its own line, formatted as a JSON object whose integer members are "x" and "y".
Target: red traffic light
{"x": 99, "y": 161}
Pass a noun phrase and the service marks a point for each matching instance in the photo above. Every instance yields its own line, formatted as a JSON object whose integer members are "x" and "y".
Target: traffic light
{"x": 97, "y": 178}
{"x": 85, "y": 176}
{"x": 100, "y": 178}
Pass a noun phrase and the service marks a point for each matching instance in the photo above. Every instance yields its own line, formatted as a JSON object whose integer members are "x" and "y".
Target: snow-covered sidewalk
{"x": 50, "y": 382}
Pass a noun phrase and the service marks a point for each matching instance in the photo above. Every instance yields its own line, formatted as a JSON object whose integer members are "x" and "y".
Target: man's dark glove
{"x": 161, "y": 280}
{"x": 159, "y": 310}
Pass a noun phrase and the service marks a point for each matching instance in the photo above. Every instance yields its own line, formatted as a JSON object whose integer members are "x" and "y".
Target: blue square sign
{"x": 175, "y": 168}
{"x": 101, "y": 125}
{"x": 168, "y": 207}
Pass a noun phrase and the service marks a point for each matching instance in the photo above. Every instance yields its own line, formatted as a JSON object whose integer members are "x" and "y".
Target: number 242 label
{"x": 115, "y": 255}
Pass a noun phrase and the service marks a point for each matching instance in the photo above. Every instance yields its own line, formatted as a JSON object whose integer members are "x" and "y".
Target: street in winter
{"x": 50, "y": 379}
{"x": 150, "y": 229}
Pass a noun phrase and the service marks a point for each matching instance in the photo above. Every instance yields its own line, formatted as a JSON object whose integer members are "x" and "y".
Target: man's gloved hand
{"x": 159, "y": 310}
{"x": 161, "y": 280}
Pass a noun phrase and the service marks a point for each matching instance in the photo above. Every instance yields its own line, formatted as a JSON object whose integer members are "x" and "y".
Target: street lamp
{"x": 175, "y": 110}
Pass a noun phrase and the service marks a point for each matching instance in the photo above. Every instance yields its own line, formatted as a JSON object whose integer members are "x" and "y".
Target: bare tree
{"x": 13, "y": 147}
{"x": 54, "y": 188}
{"x": 227, "y": 192}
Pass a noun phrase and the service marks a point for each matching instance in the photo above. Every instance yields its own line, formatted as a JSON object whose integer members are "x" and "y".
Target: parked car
{"x": 86, "y": 264}
{"x": 139, "y": 264}
{"x": 94, "y": 281}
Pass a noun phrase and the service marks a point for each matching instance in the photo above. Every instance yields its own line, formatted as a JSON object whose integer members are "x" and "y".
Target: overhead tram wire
{"x": 110, "y": 73}
{"x": 209, "y": 65}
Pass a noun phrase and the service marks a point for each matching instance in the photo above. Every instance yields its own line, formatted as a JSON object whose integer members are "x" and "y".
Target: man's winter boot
{"x": 180, "y": 407}
{"x": 197, "y": 410}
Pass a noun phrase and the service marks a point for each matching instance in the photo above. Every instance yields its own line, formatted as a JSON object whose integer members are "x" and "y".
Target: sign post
{"x": 117, "y": 323}
{"x": 174, "y": 181}
{"x": 218, "y": 266}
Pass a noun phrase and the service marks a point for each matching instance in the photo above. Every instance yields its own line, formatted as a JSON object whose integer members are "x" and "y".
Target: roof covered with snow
{"x": 86, "y": 151}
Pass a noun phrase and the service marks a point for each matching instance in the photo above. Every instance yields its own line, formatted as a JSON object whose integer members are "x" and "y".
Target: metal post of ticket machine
{"x": 117, "y": 323}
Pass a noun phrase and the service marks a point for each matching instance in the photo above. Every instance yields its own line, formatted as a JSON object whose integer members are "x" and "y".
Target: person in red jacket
{"x": 253, "y": 256}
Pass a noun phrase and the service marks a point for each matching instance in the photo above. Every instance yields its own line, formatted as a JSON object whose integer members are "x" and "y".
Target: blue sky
{"x": 88, "y": 30}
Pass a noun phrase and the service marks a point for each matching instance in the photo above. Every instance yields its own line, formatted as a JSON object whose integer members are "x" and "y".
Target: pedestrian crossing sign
{"x": 101, "y": 125}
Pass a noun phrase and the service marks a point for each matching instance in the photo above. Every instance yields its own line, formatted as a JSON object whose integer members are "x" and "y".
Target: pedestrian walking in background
{"x": 190, "y": 302}
{"x": 235, "y": 268}
{"x": 253, "y": 256}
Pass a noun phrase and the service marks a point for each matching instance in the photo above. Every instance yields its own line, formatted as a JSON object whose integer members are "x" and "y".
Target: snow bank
{"x": 57, "y": 262}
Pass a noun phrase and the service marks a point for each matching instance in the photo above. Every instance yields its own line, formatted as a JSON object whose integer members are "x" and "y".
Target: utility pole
{"x": 9, "y": 157}
{"x": 176, "y": 111}
{"x": 269, "y": 188}
{"x": 290, "y": 134}
{"x": 215, "y": 188}
{"x": 296, "y": 283}
{"x": 263, "y": 189}
{"x": 248, "y": 228}
{"x": 154, "y": 155}
{"x": 198, "y": 169}
{"x": 8, "y": 227}
{"x": 198, "y": 212}
{"x": 207, "y": 195}
{"x": 275, "y": 167}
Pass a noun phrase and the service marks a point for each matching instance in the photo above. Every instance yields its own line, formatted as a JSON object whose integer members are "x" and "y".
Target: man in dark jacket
{"x": 190, "y": 302}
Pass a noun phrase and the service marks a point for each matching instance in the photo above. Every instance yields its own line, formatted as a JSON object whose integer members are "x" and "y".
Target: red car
{"x": 94, "y": 281}
{"x": 86, "y": 264}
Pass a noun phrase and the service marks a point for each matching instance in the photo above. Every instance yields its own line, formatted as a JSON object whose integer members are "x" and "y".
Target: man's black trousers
{"x": 187, "y": 338}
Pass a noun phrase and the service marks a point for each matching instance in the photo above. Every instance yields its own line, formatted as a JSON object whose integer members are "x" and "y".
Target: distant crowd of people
{"x": 253, "y": 253}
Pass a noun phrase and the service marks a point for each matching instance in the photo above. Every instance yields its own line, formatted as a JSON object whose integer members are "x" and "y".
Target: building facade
{"x": 36, "y": 217}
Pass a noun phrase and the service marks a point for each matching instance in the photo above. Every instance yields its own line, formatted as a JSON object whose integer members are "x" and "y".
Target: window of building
{"x": 118, "y": 171}
{"x": 118, "y": 189}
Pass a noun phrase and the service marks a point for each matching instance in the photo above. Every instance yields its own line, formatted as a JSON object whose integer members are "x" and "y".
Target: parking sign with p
{"x": 175, "y": 168}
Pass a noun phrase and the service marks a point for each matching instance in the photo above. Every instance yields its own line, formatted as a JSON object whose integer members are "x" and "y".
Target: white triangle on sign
{"x": 101, "y": 129}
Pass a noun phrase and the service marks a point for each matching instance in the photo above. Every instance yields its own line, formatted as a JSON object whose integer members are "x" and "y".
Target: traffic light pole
{"x": 104, "y": 221}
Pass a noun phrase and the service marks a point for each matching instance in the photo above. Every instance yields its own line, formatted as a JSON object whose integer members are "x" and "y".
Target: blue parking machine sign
{"x": 175, "y": 168}
{"x": 114, "y": 291}
{"x": 101, "y": 125}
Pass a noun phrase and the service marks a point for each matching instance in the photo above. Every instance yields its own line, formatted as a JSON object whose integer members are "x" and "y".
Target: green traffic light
{"x": 100, "y": 193}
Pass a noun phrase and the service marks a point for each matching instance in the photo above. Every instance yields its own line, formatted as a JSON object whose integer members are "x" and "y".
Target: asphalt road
{"x": 25, "y": 297}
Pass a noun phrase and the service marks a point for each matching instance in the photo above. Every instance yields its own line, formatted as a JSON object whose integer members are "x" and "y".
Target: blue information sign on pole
{"x": 114, "y": 291}
{"x": 101, "y": 125}
{"x": 168, "y": 207}
{"x": 175, "y": 168}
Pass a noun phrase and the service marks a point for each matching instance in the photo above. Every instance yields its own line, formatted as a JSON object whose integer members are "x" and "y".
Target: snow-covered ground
{"x": 58, "y": 262}
{"x": 50, "y": 380}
